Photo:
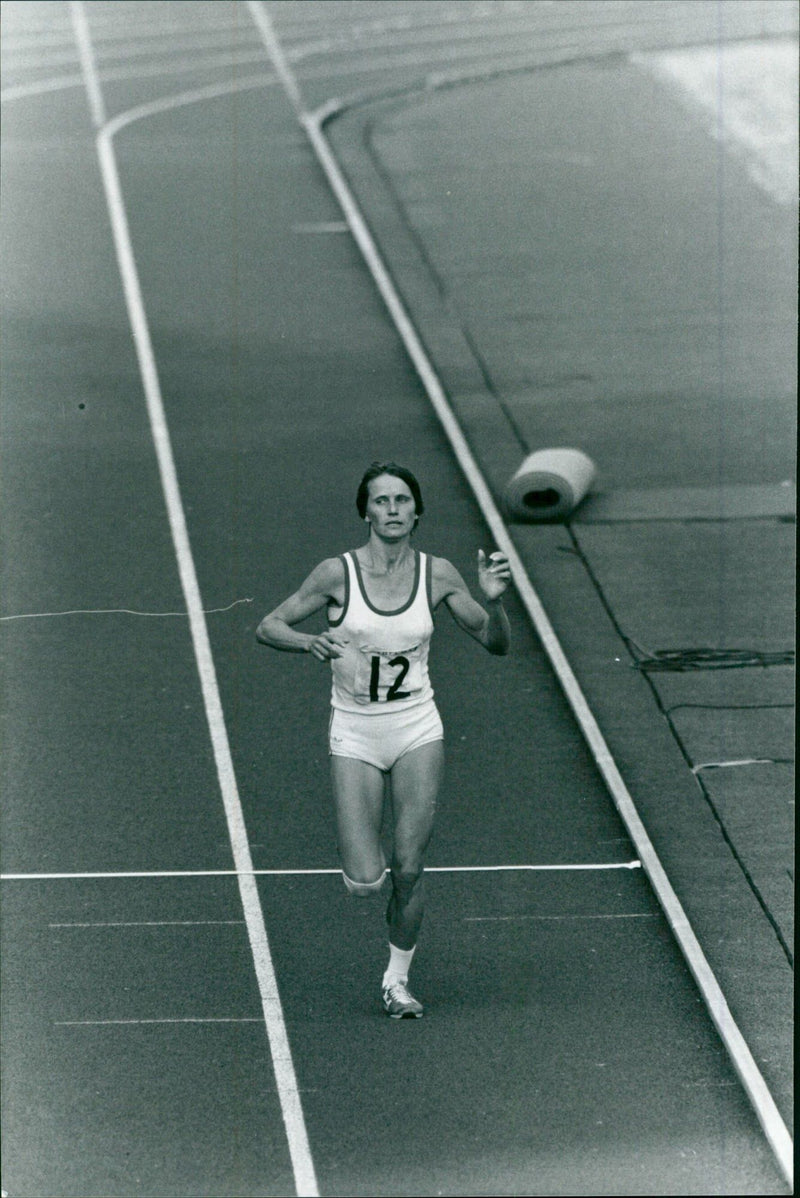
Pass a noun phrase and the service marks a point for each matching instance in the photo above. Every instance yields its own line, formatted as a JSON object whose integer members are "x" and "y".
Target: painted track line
{"x": 749, "y": 1074}
{"x": 138, "y": 1022}
{"x": 153, "y": 923}
{"x": 285, "y": 1077}
{"x": 299, "y": 873}
{"x": 552, "y": 918}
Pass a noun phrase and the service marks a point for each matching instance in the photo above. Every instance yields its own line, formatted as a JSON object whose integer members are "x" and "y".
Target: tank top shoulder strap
{"x": 426, "y": 578}
{"x": 334, "y": 620}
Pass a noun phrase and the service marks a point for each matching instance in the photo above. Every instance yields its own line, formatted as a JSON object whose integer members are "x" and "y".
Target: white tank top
{"x": 384, "y": 666}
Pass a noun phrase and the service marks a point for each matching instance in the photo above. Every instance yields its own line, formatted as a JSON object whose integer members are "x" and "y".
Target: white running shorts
{"x": 382, "y": 739}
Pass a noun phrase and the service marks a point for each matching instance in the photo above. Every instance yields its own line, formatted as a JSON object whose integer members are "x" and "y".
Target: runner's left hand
{"x": 493, "y": 575}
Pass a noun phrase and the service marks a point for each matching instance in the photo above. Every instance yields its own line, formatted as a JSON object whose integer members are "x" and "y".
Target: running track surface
{"x": 564, "y": 1049}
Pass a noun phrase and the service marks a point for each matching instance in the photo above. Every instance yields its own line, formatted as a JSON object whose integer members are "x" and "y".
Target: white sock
{"x": 399, "y": 964}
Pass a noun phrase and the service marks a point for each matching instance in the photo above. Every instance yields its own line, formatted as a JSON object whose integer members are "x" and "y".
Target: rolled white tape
{"x": 549, "y": 484}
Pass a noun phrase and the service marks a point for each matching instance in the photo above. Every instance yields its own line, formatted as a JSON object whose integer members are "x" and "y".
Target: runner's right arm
{"x": 324, "y": 583}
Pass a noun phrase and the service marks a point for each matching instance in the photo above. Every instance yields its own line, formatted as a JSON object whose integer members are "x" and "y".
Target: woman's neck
{"x": 385, "y": 557}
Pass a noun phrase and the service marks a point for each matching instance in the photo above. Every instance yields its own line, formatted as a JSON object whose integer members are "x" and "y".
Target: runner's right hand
{"x": 327, "y": 645}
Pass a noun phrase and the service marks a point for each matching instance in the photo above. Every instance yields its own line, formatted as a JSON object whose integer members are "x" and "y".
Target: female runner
{"x": 380, "y": 601}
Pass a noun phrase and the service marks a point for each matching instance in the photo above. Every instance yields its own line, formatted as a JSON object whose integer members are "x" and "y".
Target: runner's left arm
{"x": 488, "y": 625}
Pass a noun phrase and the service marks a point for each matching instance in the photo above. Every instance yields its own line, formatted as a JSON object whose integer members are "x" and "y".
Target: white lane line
{"x": 24, "y": 91}
{"x": 285, "y": 1077}
{"x": 155, "y": 44}
{"x": 582, "y": 865}
{"x": 154, "y": 923}
{"x": 750, "y": 1075}
{"x": 83, "y": 39}
{"x": 299, "y": 873}
{"x": 195, "y": 95}
{"x": 514, "y": 918}
{"x": 88, "y": 875}
{"x": 126, "y": 1022}
{"x": 281, "y": 66}
{"x": 322, "y": 226}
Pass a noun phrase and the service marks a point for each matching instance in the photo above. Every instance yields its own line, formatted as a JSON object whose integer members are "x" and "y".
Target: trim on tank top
{"x": 429, "y": 581}
{"x": 334, "y": 623}
{"x": 378, "y": 610}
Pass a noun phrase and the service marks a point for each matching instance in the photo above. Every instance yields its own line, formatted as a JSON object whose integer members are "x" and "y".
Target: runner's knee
{"x": 404, "y": 881}
{"x": 363, "y": 889}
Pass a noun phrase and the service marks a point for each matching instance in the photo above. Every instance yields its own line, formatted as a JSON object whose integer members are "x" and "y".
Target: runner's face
{"x": 390, "y": 507}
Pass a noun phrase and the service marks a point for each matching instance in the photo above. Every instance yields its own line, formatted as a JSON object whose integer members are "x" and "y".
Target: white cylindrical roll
{"x": 549, "y": 484}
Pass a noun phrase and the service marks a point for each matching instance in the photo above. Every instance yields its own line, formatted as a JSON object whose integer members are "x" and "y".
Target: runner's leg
{"x": 416, "y": 779}
{"x": 358, "y": 790}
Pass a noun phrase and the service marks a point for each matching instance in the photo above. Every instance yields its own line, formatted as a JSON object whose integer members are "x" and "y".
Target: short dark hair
{"x": 401, "y": 472}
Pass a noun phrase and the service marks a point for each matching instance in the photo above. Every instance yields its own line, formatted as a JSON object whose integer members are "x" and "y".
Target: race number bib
{"x": 385, "y": 676}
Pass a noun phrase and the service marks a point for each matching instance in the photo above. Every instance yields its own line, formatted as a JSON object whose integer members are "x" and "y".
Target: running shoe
{"x": 399, "y": 1003}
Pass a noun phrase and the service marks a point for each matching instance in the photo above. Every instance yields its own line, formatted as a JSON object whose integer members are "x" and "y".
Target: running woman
{"x": 380, "y": 601}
